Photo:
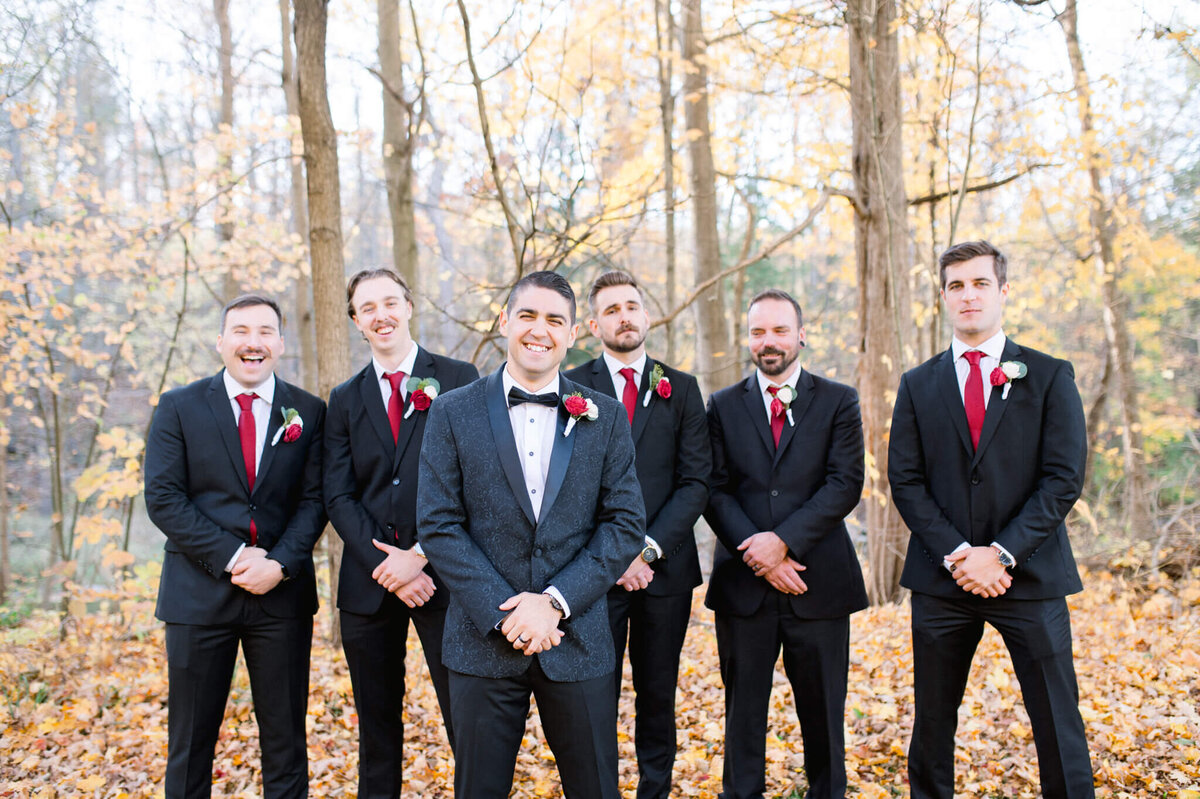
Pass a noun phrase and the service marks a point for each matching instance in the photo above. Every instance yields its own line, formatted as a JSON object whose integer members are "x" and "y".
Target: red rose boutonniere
{"x": 291, "y": 428}
{"x": 782, "y": 403}
{"x": 422, "y": 391}
{"x": 1005, "y": 373}
{"x": 580, "y": 408}
{"x": 660, "y": 384}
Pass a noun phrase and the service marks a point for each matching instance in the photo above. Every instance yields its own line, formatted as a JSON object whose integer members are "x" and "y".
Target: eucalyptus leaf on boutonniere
{"x": 422, "y": 391}
{"x": 1006, "y": 373}
{"x": 291, "y": 428}
{"x": 660, "y": 384}
{"x": 580, "y": 408}
{"x": 782, "y": 403}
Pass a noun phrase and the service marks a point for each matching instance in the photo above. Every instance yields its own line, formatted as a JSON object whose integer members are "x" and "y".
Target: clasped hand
{"x": 403, "y": 573}
{"x": 978, "y": 570}
{"x": 637, "y": 576}
{"x": 255, "y": 572}
{"x": 532, "y": 623}
{"x": 767, "y": 554}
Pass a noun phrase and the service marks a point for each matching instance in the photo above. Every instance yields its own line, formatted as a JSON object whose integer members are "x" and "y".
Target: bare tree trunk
{"x": 664, "y": 39}
{"x": 1138, "y": 498}
{"x": 324, "y": 222}
{"x": 304, "y": 298}
{"x": 717, "y": 352}
{"x": 225, "y": 126}
{"x": 398, "y": 140}
{"x": 5, "y": 566}
{"x": 882, "y": 255}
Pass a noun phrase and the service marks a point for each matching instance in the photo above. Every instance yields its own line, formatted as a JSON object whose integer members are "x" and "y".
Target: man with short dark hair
{"x": 529, "y": 507}
{"x": 372, "y": 451}
{"x": 985, "y": 460}
{"x": 652, "y": 602}
{"x": 787, "y": 470}
{"x": 233, "y": 480}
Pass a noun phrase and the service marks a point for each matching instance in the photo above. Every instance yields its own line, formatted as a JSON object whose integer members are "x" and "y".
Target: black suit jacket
{"x": 674, "y": 460}
{"x": 803, "y": 491}
{"x": 477, "y": 526}
{"x": 370, "y": 484}
{"x": 1015, "y": 489}
{"x": 197, "y": 494}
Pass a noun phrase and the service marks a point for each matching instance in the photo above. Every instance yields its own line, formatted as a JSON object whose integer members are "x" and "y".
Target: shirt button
{"x": 533, "y": 491}
{"x": 531, "y": 454}
{"x": 395, "y": 481}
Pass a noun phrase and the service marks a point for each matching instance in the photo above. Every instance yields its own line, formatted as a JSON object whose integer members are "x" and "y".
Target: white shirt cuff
{"x": 947, "y": 564}
{"x": 420, "y": 550}
{"x": 554, "y": 592}
{"x": 233, "y": 561}
{"x": 1006, "y": 552}
{"x": 650, "y": 542}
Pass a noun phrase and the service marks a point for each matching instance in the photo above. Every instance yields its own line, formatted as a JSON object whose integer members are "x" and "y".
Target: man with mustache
{"x": 787, "y": 450}
{"x": 652, "y": 602}
{"x": 233, "y": 480}
{"x": 372, "y": 452}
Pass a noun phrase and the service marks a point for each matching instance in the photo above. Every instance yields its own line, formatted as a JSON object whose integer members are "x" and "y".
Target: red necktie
{"x": 776, "y": 418}
{"x": 629, "y": 395}
{"x": 395, "y": 403}
{"x": 247, "y": 434}
{"x": 973, "y": 396}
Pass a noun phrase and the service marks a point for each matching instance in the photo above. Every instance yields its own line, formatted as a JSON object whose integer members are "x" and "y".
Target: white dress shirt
{"x": 534, "y": 427}
{"x": 260, "y": 409}
{"x": 385, "y": 385}
{"x": 614, "y": 368}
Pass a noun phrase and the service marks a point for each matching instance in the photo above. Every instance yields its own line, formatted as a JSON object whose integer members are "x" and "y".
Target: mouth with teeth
{"x": 252, "y": 356}
{"x": 383, "y": 329}
{"x": 534, "y": 347}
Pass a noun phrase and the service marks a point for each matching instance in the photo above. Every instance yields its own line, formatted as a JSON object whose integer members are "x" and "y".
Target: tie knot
{"x": 244, "y": 401}
{"x": 395, "y": 378}
{"x": 626, "y": 373}
{"x": 973, "y": 357}
{"x": 772, "y": 390}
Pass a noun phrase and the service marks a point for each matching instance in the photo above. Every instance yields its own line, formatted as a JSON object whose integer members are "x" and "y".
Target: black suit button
{"x": 395, "y": 481}
{"x": 391, "y": 526}
{"x": 974, "y": 479}
{"x": 253, "y": 507}
{"x": 774, "y": 492}
{"x": 537, "y": 553}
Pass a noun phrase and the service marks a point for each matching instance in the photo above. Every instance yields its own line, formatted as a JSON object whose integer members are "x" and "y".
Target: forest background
{"x": 159, "y": 157}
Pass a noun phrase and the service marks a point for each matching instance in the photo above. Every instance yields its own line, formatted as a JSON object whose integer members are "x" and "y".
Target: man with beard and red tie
{"x": 986, "y": 458}
{"x": 787, "y": 470}
{"x": 233, "y": 479}
{"x": 372, "y": 449}
{"x": 652, "y": 602}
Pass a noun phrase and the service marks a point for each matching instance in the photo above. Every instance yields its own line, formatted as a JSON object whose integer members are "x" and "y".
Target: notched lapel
{"x": 560, "y": 458}
{"x": 283, "y": 399}
{"x": 423, "y": 367}
{"x": 642, "y": 414}
{"x": 372, "y": 405}
{"x": 226, "y": 424}
{"x": 758, "y": 414}
{"x": 947, "y": 383}
{"x": 996, "y": 406}
{"x": 506, "y": 444}
{"x": 804, "y": 396}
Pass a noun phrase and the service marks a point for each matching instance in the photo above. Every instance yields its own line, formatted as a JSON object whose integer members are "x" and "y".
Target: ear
{"x": 572, "y": 335}
{"x": 504, "y": 321}
{"x": 594, "y": 326}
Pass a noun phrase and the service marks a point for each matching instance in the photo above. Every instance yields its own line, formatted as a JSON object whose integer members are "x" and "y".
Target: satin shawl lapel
{"x": 641, "y": 414}
{"x": 506, "y": 444}
{"x": 283, "y": 399}
{"x": 996, "y": 406}
{"x": 372, "y": 406}
{"x": 947, "y": 387}
{"x": 226, "y": 424}
{"x": 560, "y": 453}
{"x": 799, "y": 406}
{"x": 758, "y": 413}
{"x": 423, "y": 367}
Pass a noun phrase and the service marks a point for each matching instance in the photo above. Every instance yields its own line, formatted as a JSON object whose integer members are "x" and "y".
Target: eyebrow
{"x": 535, "y": 312}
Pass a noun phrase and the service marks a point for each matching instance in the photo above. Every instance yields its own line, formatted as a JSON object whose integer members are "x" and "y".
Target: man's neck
{"x": 392, "y": 359}
{"x": 626, "y": 358}
{"x": 786, "y": 377}
{"x": 526, "y": 385}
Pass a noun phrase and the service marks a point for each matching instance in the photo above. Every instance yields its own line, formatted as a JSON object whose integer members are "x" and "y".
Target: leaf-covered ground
{"x": 84, "y": 713}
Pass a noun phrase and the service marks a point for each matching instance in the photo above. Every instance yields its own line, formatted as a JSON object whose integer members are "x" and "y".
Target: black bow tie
{"x": 516, "y": 396}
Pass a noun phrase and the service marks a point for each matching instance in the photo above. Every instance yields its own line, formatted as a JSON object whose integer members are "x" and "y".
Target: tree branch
{"x": 993, "y": 184}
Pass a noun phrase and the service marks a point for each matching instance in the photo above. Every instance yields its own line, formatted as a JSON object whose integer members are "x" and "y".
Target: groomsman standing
{"x": 529, "y": 507}
{"x": 233, "y": 480}
{"x": 372, "y": 451}
{"x": 986, "y": 458}
{"x": 787, "y": 470}
{"x": 652, "y": 602}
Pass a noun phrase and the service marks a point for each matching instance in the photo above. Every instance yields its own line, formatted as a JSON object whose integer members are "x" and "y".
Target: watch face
{"x": 649, "y": 554}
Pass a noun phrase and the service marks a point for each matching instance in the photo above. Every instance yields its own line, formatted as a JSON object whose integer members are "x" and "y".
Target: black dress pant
{"x": 375, "y": 648}
{"x": 655, "y": 627}
{"x": 200, "y": 662}
{"x": 816, "y": 654}
{"x": 1038, "y": 636}
{"x": 489, "y": 719}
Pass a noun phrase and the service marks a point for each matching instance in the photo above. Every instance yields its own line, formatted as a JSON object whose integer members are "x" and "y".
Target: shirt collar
{"x": 764, "y": 381}
{"x": 615, "y": 366}
{"x": 992, "y": 348}
{"x": 405, "y": 366}
{"x": 265, "y": 391}
{"x": 509, "y": 381}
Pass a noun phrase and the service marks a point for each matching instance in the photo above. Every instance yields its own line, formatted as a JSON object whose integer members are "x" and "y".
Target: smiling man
{"x": 529, "y": 507}
{"x": 986, "y": 458}
{"x": 372, "y": 449}
{"x": 233, "y": 480}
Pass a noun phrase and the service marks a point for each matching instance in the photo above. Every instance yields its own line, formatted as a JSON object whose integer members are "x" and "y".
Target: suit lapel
{"x": 423, "y": 366}
{"x": 758, "y": 413}
{"x": 226, "y": 425}
{"x": 799, "y": 406}
{"x": 640, "y": 413}
{"x": 560, "y": 453}
{"x": 996, "y": 406}
{"x": 506, "y": 444}
{"x": 372, "y": 404}
{"x": 947, "y": 387}
{"x": 283, "y": 399}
